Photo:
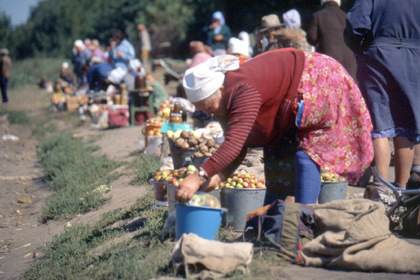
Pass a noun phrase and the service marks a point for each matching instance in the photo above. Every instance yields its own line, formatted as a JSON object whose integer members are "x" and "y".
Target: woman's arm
{"x": 243, "y": 109}
{"x": 358, "y": 26}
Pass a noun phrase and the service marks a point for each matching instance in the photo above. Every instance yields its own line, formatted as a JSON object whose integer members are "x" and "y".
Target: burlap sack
{"x": 204, "y": 258}
{"x": 354, "y": 235}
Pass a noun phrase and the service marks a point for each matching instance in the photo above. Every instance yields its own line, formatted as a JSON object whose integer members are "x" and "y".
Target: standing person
{"x": 244, "y": 36}
{"x": 218, "y": 34}
{"x": 325, "y": 32}
{"x": 270, "y": 26}
{"x": 122, "y": 51}
{"x": 81, "y": 56}
{"x": 292, "y": 35}
{"x": 239, "y": 48}
{"x": 144, "y": 46}
{"x": 6, "y": 70}
{"x": 257, "y": 105}
{"x": 385, "y": 35}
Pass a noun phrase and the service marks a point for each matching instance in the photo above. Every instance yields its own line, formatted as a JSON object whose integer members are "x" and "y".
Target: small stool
{"x": 141, "y": 101}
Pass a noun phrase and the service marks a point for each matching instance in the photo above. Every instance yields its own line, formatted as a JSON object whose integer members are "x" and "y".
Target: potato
{"x": 207, "y": 154}
{"x": 185, "y": 134}
{"x": 192, "y": 141}
{"x": 203, "y": 148}
{"x": 185, "y": 145}
{"x": 179, "y": 141}
{"x": 198, "y": 154}
{"x": 212, "y": 150}
{"x": 211, "y": 143}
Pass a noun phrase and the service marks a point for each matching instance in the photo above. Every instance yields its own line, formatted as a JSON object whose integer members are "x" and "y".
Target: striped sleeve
{"x": 243, "y": 109}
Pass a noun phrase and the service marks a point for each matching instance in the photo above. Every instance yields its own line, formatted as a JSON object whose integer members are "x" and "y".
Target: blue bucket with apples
{"x": 201, "y": 220}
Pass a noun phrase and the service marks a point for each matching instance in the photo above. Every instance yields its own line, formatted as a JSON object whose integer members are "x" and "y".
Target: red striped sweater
{"x": 260, "y": 98}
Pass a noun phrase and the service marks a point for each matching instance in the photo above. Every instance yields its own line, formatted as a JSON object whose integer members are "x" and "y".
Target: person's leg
{"x": 414, "y": 180}
{"x": 382, "y": 156}
{"x": 404, "y": 153}
{"x": 3, "y": 85}
{"x": 416, "y": 160}
{"x": 307, "y": 178}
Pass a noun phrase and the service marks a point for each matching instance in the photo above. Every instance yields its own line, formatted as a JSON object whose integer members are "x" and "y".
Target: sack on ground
{"x": 286, "y": 225}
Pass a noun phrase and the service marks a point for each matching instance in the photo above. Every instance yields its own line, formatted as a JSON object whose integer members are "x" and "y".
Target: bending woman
{"x": 274, "y": 94}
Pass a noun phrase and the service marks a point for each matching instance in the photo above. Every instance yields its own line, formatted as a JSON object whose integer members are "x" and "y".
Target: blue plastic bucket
{"x": 201, "y": 220}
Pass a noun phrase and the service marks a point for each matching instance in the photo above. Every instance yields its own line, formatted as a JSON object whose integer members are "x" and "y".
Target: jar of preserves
{"x": 176, "y": 113}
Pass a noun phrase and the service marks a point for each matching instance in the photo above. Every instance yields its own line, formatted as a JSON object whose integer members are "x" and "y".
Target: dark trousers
{"x": 3, "y": 86}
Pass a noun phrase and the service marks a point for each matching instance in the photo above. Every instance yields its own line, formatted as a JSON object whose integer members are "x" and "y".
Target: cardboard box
{"x": 72, "y": 103}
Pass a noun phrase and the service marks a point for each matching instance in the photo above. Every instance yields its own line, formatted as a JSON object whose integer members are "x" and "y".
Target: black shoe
{"x": 413, "y": 181}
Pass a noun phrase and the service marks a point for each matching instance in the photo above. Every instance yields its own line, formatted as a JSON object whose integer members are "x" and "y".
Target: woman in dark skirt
{"x": 385, "y": 35}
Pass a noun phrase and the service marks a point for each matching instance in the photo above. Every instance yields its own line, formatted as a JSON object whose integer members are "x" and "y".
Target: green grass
{"x": 16, "y": 117}
{"x": 72, "y": 171}
{"x": 100, "y": 251}
{"x": 44, "y": 128}
{"x": 31, "y": 70}
{"x": 145, "y": 167}
{"x": 70, "y": 255}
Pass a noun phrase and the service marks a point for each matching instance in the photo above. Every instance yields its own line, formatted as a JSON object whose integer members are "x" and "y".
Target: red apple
{"x": 260, "y": 185}
{"x": 245, "y": 184}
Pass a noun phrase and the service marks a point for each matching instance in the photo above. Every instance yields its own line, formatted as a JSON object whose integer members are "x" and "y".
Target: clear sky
{"x": 17, "y": 10}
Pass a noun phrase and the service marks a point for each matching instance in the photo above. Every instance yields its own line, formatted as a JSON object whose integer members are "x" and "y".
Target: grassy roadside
{"x": 127, "y": 244}
{"x": 72, "y": 171}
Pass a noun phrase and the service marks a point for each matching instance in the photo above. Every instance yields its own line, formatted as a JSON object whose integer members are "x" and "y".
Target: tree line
{"x": 53, "y": 25}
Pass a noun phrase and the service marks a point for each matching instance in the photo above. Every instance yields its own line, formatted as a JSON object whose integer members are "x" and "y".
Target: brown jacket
{"x": 6, "y": 66}
{"x": 325, "y": 32}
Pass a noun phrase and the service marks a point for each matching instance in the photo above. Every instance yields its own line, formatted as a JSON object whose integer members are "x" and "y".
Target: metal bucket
{"x": 239, "y": 203}
{"x": 332, "y": 191}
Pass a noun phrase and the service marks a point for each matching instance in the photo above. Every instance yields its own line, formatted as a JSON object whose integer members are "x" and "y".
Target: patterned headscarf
{"x": 206, "y": 78}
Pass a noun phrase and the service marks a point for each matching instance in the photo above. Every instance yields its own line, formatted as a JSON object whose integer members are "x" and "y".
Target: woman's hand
{"x": 188, "y": 187}
{"x": 218, "y": 37}
{"x": 212, "y": 183}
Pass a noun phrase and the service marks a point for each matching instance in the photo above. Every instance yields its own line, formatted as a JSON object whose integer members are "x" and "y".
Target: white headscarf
{"x": 218, "y": 15}
{"x": 291, "y": 19}
{"x": 244, "y": 36}
{"x": 207, "y": 77}
{"x": 238, "y": 46}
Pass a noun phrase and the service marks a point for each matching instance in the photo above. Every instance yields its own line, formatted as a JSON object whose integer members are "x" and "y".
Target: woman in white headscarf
{"x": 292, "y": 35}
{"x": 244, "y": 36}
{"x": 276, "y": 93}
{"x": 218, "y": 34}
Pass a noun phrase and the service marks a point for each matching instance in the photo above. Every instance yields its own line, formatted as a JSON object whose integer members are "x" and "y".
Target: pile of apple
{"x": 190, "y": 140}
{"x": 174, "y": 176}
{"x": 243, "y": 181}
{"x": 164, "y": 110}
{"x": 330, "y": 177}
